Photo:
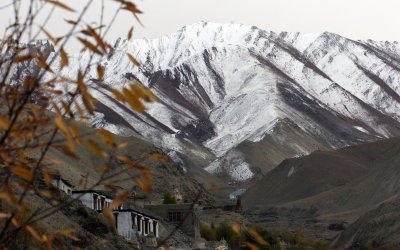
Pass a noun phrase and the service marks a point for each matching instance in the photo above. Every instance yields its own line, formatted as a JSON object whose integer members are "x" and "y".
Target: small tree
{"x": 31, "y": 83}
{"x": 169, "y": 198}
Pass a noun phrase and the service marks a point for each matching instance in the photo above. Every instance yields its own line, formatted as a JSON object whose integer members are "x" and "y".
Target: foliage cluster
{"x": 31, "y": 83}
{"x": 169, "y": 198}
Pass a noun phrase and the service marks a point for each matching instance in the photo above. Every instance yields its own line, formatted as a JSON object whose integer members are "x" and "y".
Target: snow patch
{"x": 236, "y": 193}
{"x": 361, "y": 129}
{"x": 291, "y": 172}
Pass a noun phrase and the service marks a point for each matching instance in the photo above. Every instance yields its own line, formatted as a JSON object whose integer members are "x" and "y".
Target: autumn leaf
{"x": 47, "y": 176}
{"x": 107, "y": 137}
{"x": 133, "y": 100}
{"x": 59, "y": 121}
{"x": 61, "y": 5}
{"x": 64, "y": 58}
{"x": 133, "y": 59}
{"x": 142, "y": 185}
{"x": 23, "y": 173}
{"x": 258, "y": 238}
{"x": 213, "y": 187}
{"x": 95, "y": 148}
{"x": 251, "y": 246}
{"x": 159, "y": 157}
{"x": 100, "y": 71}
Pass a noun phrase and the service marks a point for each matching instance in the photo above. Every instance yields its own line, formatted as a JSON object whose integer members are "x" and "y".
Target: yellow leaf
{"x": 47, "y": 176}
{"x": 133, "y": 59}
{"x": 100, "y": 71}
{"x": 47, "y": 194}
{"x": 213, "y": 187}
{"x": 119, "y": 200}
{"x": 251, "y": 246}
{"x": 23, "y": 173}
{"x": 24, "y": 58}
{"x": 95, "y": 148}
{"x": 88, "y": 104}
{"x": 142, "y": 92}
{"x": 34, "y": 233}
{"x": 59, "y": 4}
{"x": 118, "y": 95}
{"x": 67, "y": 151}
{"x": 258, "y": 238}
{"x": 130, "y": 33}
{"x": 133, "y": 100}
{"x": 142, "y": 185}
{"x": 59, "y": 121}
{"x": 160, "y": 157}
{"x": 67, "y": 233}
{"x": 64, "y": 58}
{"x": 122, "y": 145}
{"x": 101, "y": 169}
{"x": 107, "y": 137}
{"x": 76, "y": 134}
{"x": 236, "y": 227}
{"x": 90, "y": 46}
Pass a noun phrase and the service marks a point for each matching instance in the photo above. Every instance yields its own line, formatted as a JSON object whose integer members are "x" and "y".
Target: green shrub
{"x": 169, "y": 198}
{"x": 225, "y": 231}
{"x": 208, "y": 233}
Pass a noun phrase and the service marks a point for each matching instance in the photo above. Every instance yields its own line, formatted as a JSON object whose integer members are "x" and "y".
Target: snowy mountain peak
{"x": 222, "y": 86}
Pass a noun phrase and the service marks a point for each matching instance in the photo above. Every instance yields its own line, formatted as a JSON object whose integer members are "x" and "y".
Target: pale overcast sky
{"x": 357, "y": 19}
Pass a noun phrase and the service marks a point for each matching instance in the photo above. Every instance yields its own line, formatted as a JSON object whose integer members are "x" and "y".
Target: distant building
{"x": 62, "y": 184}
{"x": 95, "y": 200}
{"x": 130, "y": 223}
{"x": 183, "y": 215}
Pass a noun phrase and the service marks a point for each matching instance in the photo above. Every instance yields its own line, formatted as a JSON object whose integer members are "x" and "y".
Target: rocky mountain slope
{"x": 327, "y": 191}
{"x": 224, "y": 88}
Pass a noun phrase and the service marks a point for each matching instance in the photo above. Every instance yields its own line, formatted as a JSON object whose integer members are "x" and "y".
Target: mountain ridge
{"x": 222, "y": 85}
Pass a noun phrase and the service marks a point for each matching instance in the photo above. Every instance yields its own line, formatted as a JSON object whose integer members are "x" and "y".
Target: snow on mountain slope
{"x": 220, "y": 85}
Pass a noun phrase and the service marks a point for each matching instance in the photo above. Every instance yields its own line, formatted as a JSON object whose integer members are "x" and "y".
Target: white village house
{"x": 62, "y": 184}
{"x": 129, "y": 222}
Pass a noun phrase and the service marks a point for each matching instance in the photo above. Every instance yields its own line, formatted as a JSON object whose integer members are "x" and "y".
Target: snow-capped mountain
{"x": 244, "y": 98}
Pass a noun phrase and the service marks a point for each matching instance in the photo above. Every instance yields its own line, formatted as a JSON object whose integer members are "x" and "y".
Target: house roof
{"x": 137, "y": 212}
{"x": 58, "y": 176}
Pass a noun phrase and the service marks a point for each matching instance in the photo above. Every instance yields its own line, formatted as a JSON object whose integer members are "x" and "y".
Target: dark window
{"x": 174, "y": 216}
{"x": 95, "y": 201}
{"x": 146, "y": 226}
{"x": 138, "y": 222}
{"x": 116, "y": 220}
{"x": 155, "y": 228}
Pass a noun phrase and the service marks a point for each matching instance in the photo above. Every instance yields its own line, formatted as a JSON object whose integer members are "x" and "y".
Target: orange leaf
{"x": 213, "y": 187}
{"x": 251, "y": 246}
{"x": 64, "y": 58}
{"x": 90, "y": 46}
{"x": 107, "y": 137}
{"x": 95, "y": 148}
{"x": 59, "y": 4}
{"x": 130, "y": 33}
{"x": 67, "y": 233}
{"x": 59, "y": 121}
{"x": 101, "y": 169}
{"x": 100, "y": 71}
{"x": 34, "y": 233}
{"x": 133, "y": 59}
{"x": 258, "y": 238}
{"x": 119, "y": 200}
{"x": 23, "y": 173}
{"x": 133, "y": 100}
{"x": 142, "y": 185}
{"x": 160, "y": 157}
{"x": 47, "y": 176}
{"x": 236, "y": 227}
{"x": 118, "y": 95}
